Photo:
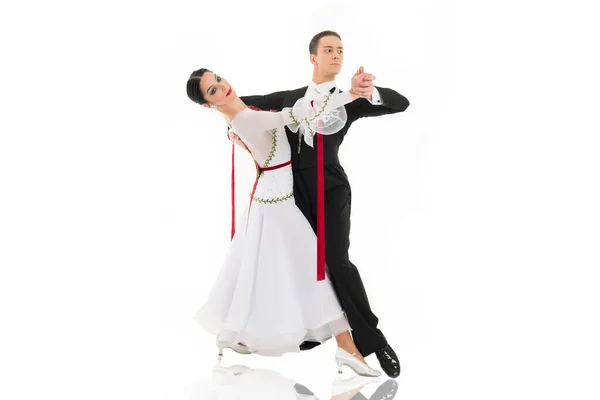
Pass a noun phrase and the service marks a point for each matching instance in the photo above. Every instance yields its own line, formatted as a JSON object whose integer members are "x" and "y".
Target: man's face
{"x": 330, "y": 56}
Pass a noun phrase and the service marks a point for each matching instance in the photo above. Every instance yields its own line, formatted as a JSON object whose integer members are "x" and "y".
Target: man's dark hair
{"x": 314, "y": 42}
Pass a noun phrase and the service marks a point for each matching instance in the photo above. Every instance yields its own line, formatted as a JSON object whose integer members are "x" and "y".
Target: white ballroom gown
{"x": 266, "y": 295}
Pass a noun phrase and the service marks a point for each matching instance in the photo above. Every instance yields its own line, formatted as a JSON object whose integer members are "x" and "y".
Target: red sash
{"x": 259, "y": 172}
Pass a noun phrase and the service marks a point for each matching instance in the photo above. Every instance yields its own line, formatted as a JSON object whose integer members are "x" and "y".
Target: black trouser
{"x": 343, "y": 274}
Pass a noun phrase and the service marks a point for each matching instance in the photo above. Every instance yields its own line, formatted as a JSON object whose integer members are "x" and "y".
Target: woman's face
{"x": 216, "y": 90}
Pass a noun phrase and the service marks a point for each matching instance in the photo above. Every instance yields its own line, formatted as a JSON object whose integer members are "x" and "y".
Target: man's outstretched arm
{"x": 374, "y": 101}
{"x": 391, "y": 102}
{"x": 268, "y": 102}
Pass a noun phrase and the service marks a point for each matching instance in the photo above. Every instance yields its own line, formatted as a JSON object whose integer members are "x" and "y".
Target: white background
{"x": 475, "y": 213}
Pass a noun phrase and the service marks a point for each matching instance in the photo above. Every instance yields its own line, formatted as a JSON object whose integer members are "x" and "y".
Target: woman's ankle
{"x": 353, "y": 350}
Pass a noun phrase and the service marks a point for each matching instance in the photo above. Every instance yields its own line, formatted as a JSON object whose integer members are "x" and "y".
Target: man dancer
{"x": 326, "y": 55}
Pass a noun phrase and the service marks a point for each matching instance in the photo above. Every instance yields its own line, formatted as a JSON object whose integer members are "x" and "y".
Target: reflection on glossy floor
{"x": 241, "y": 382}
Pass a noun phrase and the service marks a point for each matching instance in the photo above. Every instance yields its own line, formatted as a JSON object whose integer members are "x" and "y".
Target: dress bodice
{"x": 269, "y": 147}
{"x": 264, "y": 134}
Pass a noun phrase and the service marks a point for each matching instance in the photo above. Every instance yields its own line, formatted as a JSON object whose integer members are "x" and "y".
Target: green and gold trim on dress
{"x": 322, "y": 108}
{"x": 294, "y": 118}
{"x": 259, "y": 172}
{"x": 273, "y": 201}
{"x": 273, "y": 148}
{"x": 317, "y": 115}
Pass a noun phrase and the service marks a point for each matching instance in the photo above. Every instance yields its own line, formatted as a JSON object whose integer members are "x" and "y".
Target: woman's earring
{"x": 213, "y": 106}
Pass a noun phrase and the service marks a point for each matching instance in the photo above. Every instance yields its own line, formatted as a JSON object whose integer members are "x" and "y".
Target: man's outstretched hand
{"x": 362, "y": 84}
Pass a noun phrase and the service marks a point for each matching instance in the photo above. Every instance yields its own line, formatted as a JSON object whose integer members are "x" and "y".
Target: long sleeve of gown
{"x": 325, "y": 115}
{"x": 321, "y": 115}
{"x": 267, "y": 102}
{"x": 257, "y": 122}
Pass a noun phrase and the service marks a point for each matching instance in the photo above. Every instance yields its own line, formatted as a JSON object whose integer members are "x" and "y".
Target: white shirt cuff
{"x": 376, "y": 98}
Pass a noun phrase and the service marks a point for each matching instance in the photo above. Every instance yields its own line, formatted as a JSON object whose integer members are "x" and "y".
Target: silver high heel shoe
{"x": 342, "y": 357}
{"x": 237, "y": 347}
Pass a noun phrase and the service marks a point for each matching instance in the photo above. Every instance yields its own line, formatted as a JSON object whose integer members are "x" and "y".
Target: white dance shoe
{"x": 342, "y": 357}
{"x": 238, "y": 348}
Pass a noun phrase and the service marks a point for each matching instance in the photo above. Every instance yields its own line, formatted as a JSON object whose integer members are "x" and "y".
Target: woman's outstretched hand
{"x": 236, "y": 139}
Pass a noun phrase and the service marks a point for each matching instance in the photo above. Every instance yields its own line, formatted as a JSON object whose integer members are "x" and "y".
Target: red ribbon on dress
{"x": 320, "y": 210}
{"x": 320, "y": 206}
{"x": 259, "y": 172}
{"x": 232, "y": 190}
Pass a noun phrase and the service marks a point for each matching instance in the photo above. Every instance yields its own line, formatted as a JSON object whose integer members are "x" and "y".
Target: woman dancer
{"x": 266, "y": 299}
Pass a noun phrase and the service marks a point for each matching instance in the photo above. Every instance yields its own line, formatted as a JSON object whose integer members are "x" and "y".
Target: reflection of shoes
{"x": 238, "y": 369}
{"x": 342, "y": 357}
{"x": 237, "y": 347}
{"x": 340, "y": 386}
{"x": 234, "y": 369}
{"x": 386, "y": 391}
{"x": 304, "y": 393}
{"x": 301, "y": 389}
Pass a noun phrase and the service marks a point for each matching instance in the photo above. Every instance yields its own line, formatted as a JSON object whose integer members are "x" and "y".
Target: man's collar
{"x": 322, "y": 88}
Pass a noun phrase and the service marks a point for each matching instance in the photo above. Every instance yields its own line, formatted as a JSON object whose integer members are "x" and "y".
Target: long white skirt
{"x": 267, "y": 295}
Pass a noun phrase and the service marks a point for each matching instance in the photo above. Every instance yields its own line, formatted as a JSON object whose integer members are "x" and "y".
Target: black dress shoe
{"x": 308, "y": 345}
{"x": 388, "y": 361}
{"x": 386, "y": 391}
